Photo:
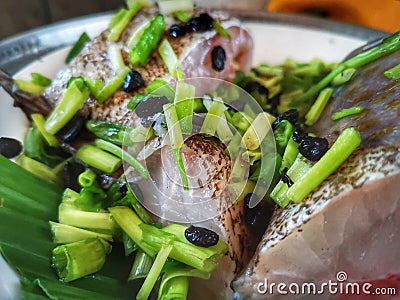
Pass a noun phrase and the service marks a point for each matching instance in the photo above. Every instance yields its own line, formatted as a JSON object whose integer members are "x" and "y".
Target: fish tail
{"x": 29, "y": 104}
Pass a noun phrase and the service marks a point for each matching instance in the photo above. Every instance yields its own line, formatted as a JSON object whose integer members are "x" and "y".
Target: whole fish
{"x": 348, "y": 229}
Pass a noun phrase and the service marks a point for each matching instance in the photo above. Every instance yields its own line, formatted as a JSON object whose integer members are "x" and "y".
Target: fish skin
{"x": 193, "y": 52}
{"x": 351, "y": 221}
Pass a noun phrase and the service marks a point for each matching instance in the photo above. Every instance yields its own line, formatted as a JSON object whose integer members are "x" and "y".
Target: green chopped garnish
{"x": 393, "y": 73}
{"x": 347, "y": 112}
{"x": 77, "y": 48}
{"x": 319, "y": 105}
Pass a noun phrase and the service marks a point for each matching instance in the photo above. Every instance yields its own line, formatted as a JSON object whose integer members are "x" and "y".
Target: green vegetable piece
{"x": 258, "y": 130}
{"x": 141, "y": 265}
{"x": 318, "y": 107}
{"x": 90, "y": 199}
{"x": 154, "y": 272}
{"x": 136, "y": 100}
{"x": 345, "y": 144}
{"x": 101, "y": 222}
{"x": 268, "y": 71}
{"x": 113, "y": 85}
{"x": 388, "y": 45}
{"x": 148, "y": 41}
{"x": 213, "y": 118}
{"x": 283, "y": 133}
{"x": 347, "y": 112}
{"x": 137, "y": 207}
{"x": 78, "y": 259}
{"x": 39, "y": 121}
{"x": 170, "y": 6}
{"x": 99, "y": 159}
{"x": 64, "y": 234}
{"x": 67, "y": 107}
{"x": 175, "y": 135}
{"x": 174, "y": 288}
{"x": 40, "y": 79}
{"x": 129, "y": 245}
{"x": 145, "y": 3}
{"x": 122, "y": 154}
{"x": 221, "y": 30}
{"x": 121, "y": 20}
{"x": 393, "y": 73}
{"x": 38, "y": 168}
{"x": 241, "y": 121}
{"x": 184, "y": 102}
{"x": 29, "y": 87}
{"x": 266, "y": 167}
{"x": 137, "y": 33}
{"x": 162, "y": 88}
{"x": 69, "y": 196}
{"x": 112, "y": 132}
{"x": 94, "y": 85}
{"x": 77, "y": 48}
{"x": 170, "y": 59}
{"x": 343, "y": 77}
{"x": 182, "y": 15}
{"x": 141, "y": 134}
{"x": 290, "y": 154}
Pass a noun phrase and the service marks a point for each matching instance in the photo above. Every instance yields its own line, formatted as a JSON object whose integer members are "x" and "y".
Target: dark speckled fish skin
{"x": 379, "y": 95}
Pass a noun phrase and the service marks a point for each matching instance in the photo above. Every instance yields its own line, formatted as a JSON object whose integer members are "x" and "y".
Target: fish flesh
{"x": 350, "y": 224}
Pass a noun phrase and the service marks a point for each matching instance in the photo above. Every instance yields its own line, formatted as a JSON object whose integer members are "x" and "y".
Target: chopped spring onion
{"x": 347, "y": 112}
{"x": 99, "y": 159}
{"x": 343, "y": 77}
{"x": 77, "y": 48}
{"x": 113, "y": 85}
{"x": 388, "y": 45}
{"x": 174, "y": 128}
{"x": 154, "y": 272}
{"x": 290, "y": 154}
{"x": 139, "y": 97}
{"x": 282, "y": 134}
{"x": 112, "y": 132}
{"x": 121, "y": 153}
{"x": 162, "y": 88}
{"x": 146, "y": 3}
{"x": 182, "y": 16}
{"x": 169, "y": 57}
{"x": 319, "y": 105}
{"x": 137, "y": 33}
{"x": 40, "y": 79}
{"x": 213, "y": 118}
{"x": 147, "y": 41}
{"x": 169, "y": 6}
{"x": 64, "y": 234}
{"x": 258, "y": 130}
{"x": 141, "y": 265}
{"x": 393, "y": 73}
{"x": 87, "y": 178}
{"x": 141, "y": 134}
{"x": 37, "y": 168}
{"x": 345, "y": 144}
{"x": 115, "y": 55}
{"x": 29, "y": 87}
{"x": 221, "y": 30}
{"x": 39, "y": 121}
{"x": 184, "y": 101}
{"x": 75, "y": 260}
{"x": 121, "y": 20}
{"x": 70, "y": 103}
{"x": 137, "y": 207}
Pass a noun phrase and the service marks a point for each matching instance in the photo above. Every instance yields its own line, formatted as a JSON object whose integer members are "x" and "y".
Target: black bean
{"x": 150, "y": 106}
{"x": 257, "y": 217}
{"x": 178, "y": 30}
{"x": 202, "y": 23}
{"x": 291, "y": 115}
{"x": 123, "y": 189}
{"x": 298, "y": 133}
{"x": 10, "y": 147}
{"x": 218, "y": 58}
{"x": 313, "y": 148}
{"x": 71, "y": 172}
{"x": 201, "y": 237}
{"x": 285, "y": 178}
{"x": 71, "y": 131}
{"x": 133, "y": 81}
{"x": 252, "y": 86}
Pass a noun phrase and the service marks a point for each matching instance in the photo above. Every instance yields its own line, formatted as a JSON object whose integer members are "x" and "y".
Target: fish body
{"x": 350, "y": 223}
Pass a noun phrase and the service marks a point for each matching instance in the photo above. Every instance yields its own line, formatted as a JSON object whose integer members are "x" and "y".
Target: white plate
{"x": 274, "y": 42}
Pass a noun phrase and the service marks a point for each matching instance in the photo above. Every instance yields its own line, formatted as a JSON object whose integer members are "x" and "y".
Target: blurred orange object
{"x": 379, "y": 14}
